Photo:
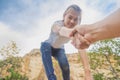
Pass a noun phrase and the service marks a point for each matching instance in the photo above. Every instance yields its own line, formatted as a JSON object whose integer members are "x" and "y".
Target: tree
{"x": 110, "y": 47}
{"x": 11, "y": 60}
{"x": 9, "y": 50}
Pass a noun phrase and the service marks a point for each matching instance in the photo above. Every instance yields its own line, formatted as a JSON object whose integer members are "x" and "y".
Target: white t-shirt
{"x": 56, "y": 40}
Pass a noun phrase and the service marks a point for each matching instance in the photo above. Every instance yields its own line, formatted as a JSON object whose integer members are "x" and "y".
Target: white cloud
{"x": 6, "y": 33}
{"x": 118, "y": 3}
{"x": 25, "y": 43}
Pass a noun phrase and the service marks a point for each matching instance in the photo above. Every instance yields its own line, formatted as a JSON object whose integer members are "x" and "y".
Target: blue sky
{"x": 28, "y": 22}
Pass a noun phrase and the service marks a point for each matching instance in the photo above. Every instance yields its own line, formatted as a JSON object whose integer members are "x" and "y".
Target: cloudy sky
{"x": 28, "y": 22}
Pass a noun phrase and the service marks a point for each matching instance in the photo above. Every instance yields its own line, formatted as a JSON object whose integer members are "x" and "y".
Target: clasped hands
{"x": 81, "y": 38}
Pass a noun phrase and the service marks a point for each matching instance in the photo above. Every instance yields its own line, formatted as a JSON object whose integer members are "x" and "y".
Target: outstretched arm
{"x": 62, "y": 30}
{"x": 107, "y": 28}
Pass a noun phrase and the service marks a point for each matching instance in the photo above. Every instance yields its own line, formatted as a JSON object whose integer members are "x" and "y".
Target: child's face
{"x": 71, "y": 18}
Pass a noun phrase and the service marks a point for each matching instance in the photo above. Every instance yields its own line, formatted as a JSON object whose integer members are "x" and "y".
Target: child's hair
{"x": 76, "y": 8}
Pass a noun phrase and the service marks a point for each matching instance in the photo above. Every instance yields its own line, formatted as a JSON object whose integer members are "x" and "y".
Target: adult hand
{"x": 80, "y": 36}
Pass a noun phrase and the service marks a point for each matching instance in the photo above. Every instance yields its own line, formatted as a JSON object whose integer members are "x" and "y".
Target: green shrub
{"x": 14, "y": 76}
{"x": 98, "y": 76}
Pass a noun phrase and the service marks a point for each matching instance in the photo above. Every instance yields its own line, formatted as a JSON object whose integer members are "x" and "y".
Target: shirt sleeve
{"x": 56, "y": 27}
{"x": 60, "y": 29}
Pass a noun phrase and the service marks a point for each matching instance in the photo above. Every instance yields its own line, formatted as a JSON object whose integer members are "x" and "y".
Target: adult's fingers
{"x": 81, "y": 42}
{"x": 73, "y": 33}
{"x": 82, "y": 39}
{"x": 77, "y": 41}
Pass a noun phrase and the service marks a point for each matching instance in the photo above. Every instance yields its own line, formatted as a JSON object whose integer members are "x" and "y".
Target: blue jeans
{"x": 47, "y": 52}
